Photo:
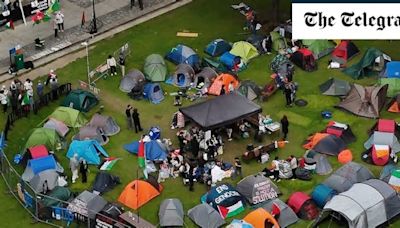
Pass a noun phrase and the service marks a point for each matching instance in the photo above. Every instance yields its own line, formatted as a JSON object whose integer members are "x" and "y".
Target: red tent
{"x": 380, "y": 154}
{"x": 38, "y": 151}
{"x": 386, "y": 125}
{"x": 344, "y": 51}
{"x": 303, "y": 205}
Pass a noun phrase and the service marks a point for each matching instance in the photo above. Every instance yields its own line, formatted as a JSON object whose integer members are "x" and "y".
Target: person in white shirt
{"x": 112, "y": 65}
{"x": 231, "y": 88}
{"x": 59, "y": 18}
{"x": 28, "y": 84}
{"x": 293, "y": 165}
{"x": 275, "y": 169}
{"x": 3, "y": 100}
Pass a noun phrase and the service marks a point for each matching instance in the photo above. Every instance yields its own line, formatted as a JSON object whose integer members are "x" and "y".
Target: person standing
{"x": 190, "y": 177}
{"x": 122, "y": 63}
{"x": 4, "y": 101}
{"x": 14, "y": 89}
{"x": 74, "y": 165}
{"x": 140, "y": 4}
{"x": 39, "y": 89}
{"x": 136, "y": 120}
{"x": 112, "y": 65}
{"x": 275, "y": 169}
{"x": 293, "y": 166}
{"x": 238, "y": 168}
{"x": 288, "y": 94}
{"x": 285, "y": 126}
{"x": 52, "y": 75}
{"x": 83, "y": 169}
{"x": 128, "y": 115}
{"x": 59, "y": 18}
{"x": 55, "y": 27}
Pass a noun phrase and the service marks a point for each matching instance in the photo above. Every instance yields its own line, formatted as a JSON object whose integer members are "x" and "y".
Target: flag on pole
{"x": 83, "y": 20}
{"x": 141, "y": 155}
{"x": 55, "y": 6}
{"x": 10, "y": 25}
{"x": 38, "y": 17}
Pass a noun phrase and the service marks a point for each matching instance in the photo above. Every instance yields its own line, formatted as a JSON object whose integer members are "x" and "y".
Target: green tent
{"x": 249, "y": 89}
{"x": 373, "y": 61}
{"x": 43, "y": 136}
{"x": 394, "y": 85}
{"x": 244, "y": 50}
{"x": 320, "y": 48}
{"x": 56, "y": 196}
{"x": 155, "y": 69}
{"x": 80, "y": 100}
{"x": 69, "y": 116}
{"x": 278, "y": 42}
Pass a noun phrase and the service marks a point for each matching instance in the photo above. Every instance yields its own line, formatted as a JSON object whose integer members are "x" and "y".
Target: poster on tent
{"x": 263, "y": 192}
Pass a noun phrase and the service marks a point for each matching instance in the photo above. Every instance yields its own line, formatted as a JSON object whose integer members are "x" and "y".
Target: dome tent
{"x": 183, "y": 76}
{"x": 80, "y": 100}
{"x": 205, "y": 77}
{"x": 205, "y": 216}
{"x": 171, "y": 213}
{"x": 90, "y": 150}
{"x": 155, "y": 68}
{"x": 184, "y": 54}
{"x": 153, "y": 92}
{"x": 69, "y": 116}
{"x": 257, "y": 189}
{"x": 134, "y": 80}
{"x": 91, "y": 133}
{"x": 244, "y": 50}
{"x": 43, "y": 136}
{"x": 106, "y": 123}
{"x": 217, "y": 47}
{"x": 133, "y": 198}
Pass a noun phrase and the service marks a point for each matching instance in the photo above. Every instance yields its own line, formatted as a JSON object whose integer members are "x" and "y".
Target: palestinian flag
{"x": 25, "y": 100}
{"x": 394, "y": 180}
{"x": 141, "y": 155}
{"x": 53, "y": 8}
{"x": 10, "y": 25}
{"x": 109, "y": 163}
{"x": 232, "y": 210}
{"x": 38, "y": 17}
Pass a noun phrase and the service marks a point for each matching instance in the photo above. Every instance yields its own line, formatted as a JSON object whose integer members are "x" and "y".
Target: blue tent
{"x": 153, "y": 92}
{"x": 155, "y": 133}
{"x": 229, "y": 60}
{"x": 392, "y": 69}
{"x": 153, "y": 150}
{"x": 217, "y": 47}
{"x": 322, "y": 194}
{"x": 184, "y": 54}
{"x": 88, "y": 150}
{"x": 224, "y": 197}
{"x": 40, "y": 164}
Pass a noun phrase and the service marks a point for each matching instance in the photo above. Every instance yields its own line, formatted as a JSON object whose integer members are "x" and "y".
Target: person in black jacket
{"x": 83, "y": 169}
{"x": 284, "y": 126}
{"x": 136, "y": 120}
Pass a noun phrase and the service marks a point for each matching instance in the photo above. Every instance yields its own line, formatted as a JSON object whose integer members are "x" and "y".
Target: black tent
{"x": 221, "y": 111}
{"x": 105, "y": 182}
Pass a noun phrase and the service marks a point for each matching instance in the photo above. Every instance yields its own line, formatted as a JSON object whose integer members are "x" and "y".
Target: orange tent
{"x": 313, "y": 140}
{"x": 223, "y": 80}
{"x": 138, "y": 193}
{"x": 394, "y": 105}
{"x": 345, "y": 156}
{"x": 258, "y": 218}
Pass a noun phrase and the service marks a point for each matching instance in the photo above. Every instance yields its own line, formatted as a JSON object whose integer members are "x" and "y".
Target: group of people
{"x": 133, "y": 119}
{"x": 275, "y": 168}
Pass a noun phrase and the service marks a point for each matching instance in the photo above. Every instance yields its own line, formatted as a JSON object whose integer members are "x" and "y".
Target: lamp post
{"x": 93, "y": 29}
{"x": 86, "y": 44}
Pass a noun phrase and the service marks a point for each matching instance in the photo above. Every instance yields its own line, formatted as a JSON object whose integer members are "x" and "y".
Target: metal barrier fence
{"x": 44, "y": 208}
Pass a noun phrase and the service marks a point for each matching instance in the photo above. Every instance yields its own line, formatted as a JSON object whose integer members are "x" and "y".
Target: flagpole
{"x": 22, "y": 12}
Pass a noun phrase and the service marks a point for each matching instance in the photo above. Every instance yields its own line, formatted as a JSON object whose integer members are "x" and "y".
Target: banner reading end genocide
{"x": 341, "y": 19}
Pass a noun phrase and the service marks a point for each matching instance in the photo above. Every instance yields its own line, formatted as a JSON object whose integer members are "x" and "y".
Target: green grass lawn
{"x": 211, "y": 19}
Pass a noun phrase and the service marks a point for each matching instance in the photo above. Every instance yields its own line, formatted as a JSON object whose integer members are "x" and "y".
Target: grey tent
{"x": 183, "y": 76}
{"x": 249, "y": 89}
{"x": 383, "y": 138}
{"x": 155, "y": 68}
{"x": 365, "y": 101}
{"x": 87, "y": 204}
{"x": 221, "y": 111}
{"x": 93, "y": 133}
{"x": 205, "y": 216}
{"x": 61, "y": 129}
{"x": 259, "y": 42}
{"x": 323, "y": 167}
{"x": 106, "y": 123}
{"x": 347, "y": 175}
{"x": 335, "y": 87}
{"x": 386, "y": 172}
{"x": 44, "y": 181}
{"x": 134, "y": 80}
{"x": 204, "y": 78}
{"x": 105, "y": 182}
{"x": 287, "y": 216}
{"x": 171, "y": 213}
{"x": 257, "y": 189}
{"x": 367, "y": 204}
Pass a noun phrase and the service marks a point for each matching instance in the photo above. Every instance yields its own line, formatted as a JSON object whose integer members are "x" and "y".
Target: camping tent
{"x": 183, "y": 75}
{"x": 171, "y": 213}
{"x": 373, "y": 61}
{"x": 239, "y": 224}
{"x": 303, "y": 205}
{"x": 392, "y": 70}
{"x": 44, "y": 181}
{"x": 56, "y": 196}
{"x": 365, "y": 101}
{"x": 221, "y": 111}
{"x": 249, "y": 89}
{"x": 394, "y": 179}
{"x": 205, "y": 216}
{"x": 278, "y": 42}
{"x": 394, "y": 104}
{"x": 259, "y": 217}
{"x": 155, "y": 69}
{"x": 87, "y": 204}
{"x": 347, "y": 175}
{"x": 154, "y": 150}
{"x": 104, "y": 182}
{"x": 383, "y": 138}
{"x": 137, "y": 193}
{"x": 367, "y": 204}
{"x": 217, "y": 47}
{"x": 223, "y": 81}
{"x": 70, "y": 117}
{"x": 304, "y": 59}
{"x": 323, "y": 167}
{"x": 386, "y": 172}
{"x": 80, "y": 100}
{"x": 322, "y": 194}
{"x": 335, "y": 87}
{"x": 257, "y": 189}
{"x": 204, "y": 78}
{"x": 43, "y": 136}
{"x": 325, "y": 144}
{"x": 393, "y": 85}
{"x": 341, "y": 130}
{"x": 320, "y": 48}
{"x": 59, "y": 126}
{"x": 88, "y": 150}
{"x": 184, "y": 54}
{"x": 226, "y": 200}
{"x": 153, "y": 92}
{"x": 134, "y": 80}
{"x": 229, "y": 60}
{"x": 287, "y": 216}
{"x": 344, "y": 51}
{"x": 35, "y": 166}
{"x": 259, "y": 42}
{"x": 244, "y": 50}
{"x": 33, "y": 153}
{"x": 91, "y": 133}
{"x": 106, "y": 123}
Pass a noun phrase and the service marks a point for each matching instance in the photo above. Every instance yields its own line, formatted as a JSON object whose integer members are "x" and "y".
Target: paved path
{"x": 111, "y": 14}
